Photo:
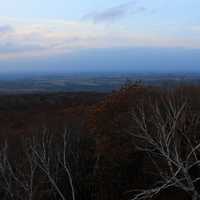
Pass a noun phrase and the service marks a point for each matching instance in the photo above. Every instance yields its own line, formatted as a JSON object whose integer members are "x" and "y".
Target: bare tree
{"x": 44, "y": 159}
{"x": 16, "y": 182}
{"x": 6, "y": 176}
{"x": 47, "y": 157}
{"x": 64, "y": 161}
{"x": 162, "y": 134}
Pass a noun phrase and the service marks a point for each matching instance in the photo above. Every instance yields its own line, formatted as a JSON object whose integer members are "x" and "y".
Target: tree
{"x": 44, "y": 160}
{"x": 165, "y": 135}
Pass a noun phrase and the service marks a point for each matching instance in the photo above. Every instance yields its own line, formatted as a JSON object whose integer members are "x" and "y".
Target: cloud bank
{"x": 19, "y": 39}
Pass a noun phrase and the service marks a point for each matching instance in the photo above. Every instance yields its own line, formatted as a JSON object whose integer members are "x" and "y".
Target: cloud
{"x": 6, "y": 29}
{"x": 9, "y": 47}
{"x": 50, "y": 37}
{"x": 195, "y": 28}
{"x": 139, "y": 9}
{"x": 22, "y": 39}
{"x": 111, "y": 14}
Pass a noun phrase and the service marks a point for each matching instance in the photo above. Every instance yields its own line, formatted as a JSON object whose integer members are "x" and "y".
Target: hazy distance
{"x": 108, "y": 60}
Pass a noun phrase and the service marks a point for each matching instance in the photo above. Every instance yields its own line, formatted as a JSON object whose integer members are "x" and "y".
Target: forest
{"x": 139, "y": 142}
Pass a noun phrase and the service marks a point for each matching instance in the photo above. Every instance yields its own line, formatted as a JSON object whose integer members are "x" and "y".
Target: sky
{"x": 93, "y": 34}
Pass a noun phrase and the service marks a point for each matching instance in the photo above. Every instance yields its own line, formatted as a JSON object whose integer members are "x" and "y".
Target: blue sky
{"x": 35, "y": 30}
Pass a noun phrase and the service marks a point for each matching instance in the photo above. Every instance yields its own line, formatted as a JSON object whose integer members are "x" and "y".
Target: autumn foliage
{"x": 104, "y": 158}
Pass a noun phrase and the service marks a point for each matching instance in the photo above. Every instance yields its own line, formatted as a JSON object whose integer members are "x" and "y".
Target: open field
{"x": 90, "y": 82}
